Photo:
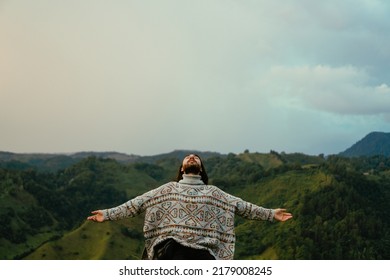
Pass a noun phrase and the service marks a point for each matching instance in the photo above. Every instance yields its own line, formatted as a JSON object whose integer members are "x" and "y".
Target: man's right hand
{"x": 97, "y": 216}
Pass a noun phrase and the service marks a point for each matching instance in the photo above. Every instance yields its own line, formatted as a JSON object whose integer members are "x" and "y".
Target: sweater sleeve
{"x": 254, "y": 212}
{"x": 246, "y": 209}
{"x": 131, "y": 208}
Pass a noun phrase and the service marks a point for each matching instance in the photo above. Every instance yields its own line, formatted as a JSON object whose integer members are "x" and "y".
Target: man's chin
{"x": 192, "y": 169}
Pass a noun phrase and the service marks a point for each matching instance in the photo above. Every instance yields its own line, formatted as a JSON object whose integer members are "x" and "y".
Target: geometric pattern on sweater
{"x": 198, "y": 216}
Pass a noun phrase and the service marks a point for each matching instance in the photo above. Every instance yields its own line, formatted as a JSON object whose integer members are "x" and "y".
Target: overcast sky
{"x": 149, "y": 77}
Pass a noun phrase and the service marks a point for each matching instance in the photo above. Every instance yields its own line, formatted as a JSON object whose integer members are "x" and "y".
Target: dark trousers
{"x": 171, "y": 250}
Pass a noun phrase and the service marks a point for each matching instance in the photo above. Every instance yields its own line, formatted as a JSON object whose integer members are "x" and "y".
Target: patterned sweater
{"x": 192, "y": 213}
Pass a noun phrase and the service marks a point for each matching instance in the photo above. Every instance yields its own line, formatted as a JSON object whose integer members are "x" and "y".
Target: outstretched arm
{"x": 130, "y": 208}
{"x": 281, "y": 215}
{"x": 97, "y": 216}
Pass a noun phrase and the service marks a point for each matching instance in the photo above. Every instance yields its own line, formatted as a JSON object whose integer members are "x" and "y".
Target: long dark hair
{"x": 202, "y": 173}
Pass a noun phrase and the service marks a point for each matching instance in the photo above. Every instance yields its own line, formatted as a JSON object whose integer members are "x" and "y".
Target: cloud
{"x": 341, "y": 90}
{"x": 150, "y": 76}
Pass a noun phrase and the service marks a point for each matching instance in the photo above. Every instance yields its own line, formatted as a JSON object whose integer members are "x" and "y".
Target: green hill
{"x": 91, "y": 241}
{"x": 374, "y": 143}
{"x": 338, "y": 211}
{"x": 267, "y": 161}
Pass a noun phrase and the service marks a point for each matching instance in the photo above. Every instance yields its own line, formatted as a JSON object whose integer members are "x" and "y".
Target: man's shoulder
{"x": 169, "y": 184}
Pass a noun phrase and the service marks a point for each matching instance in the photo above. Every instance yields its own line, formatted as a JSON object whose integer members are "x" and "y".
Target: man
{"x": 189, "y": 219}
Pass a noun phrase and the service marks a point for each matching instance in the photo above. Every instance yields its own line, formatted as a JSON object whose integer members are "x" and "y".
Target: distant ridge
{"x": 179, "y": 155}
{"x": 374, "y": 143}
{"x": 26, "y": 157}
{"x": 121, "y": 157}
{"x": 53, "y": 162}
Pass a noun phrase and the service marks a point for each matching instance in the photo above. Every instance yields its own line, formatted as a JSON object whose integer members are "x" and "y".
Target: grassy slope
{"x": 105, "y": 241}
{"x": 20, "y": 201}
{"x": 268, "y": 161}
{"x": 70, "y": 246}
{"x": 134, "y": 182}
{"x": 94, "y": 241}
{"x": 257, "y": 239}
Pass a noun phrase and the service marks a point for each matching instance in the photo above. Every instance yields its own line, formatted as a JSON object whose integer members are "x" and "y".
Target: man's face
{"x": 191, "y": 165}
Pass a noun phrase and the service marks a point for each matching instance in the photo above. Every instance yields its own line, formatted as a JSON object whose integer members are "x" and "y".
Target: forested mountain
{"x": 55, "y": 162}
{"x": 338, "y": 205}
{"x": 374, "y": 143}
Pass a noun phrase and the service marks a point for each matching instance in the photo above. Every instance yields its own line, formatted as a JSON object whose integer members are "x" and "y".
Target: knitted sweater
{"x": 194, "y": 214}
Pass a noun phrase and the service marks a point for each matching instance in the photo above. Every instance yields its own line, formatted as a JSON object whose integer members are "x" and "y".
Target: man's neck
{"x": 192, "y": 179}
